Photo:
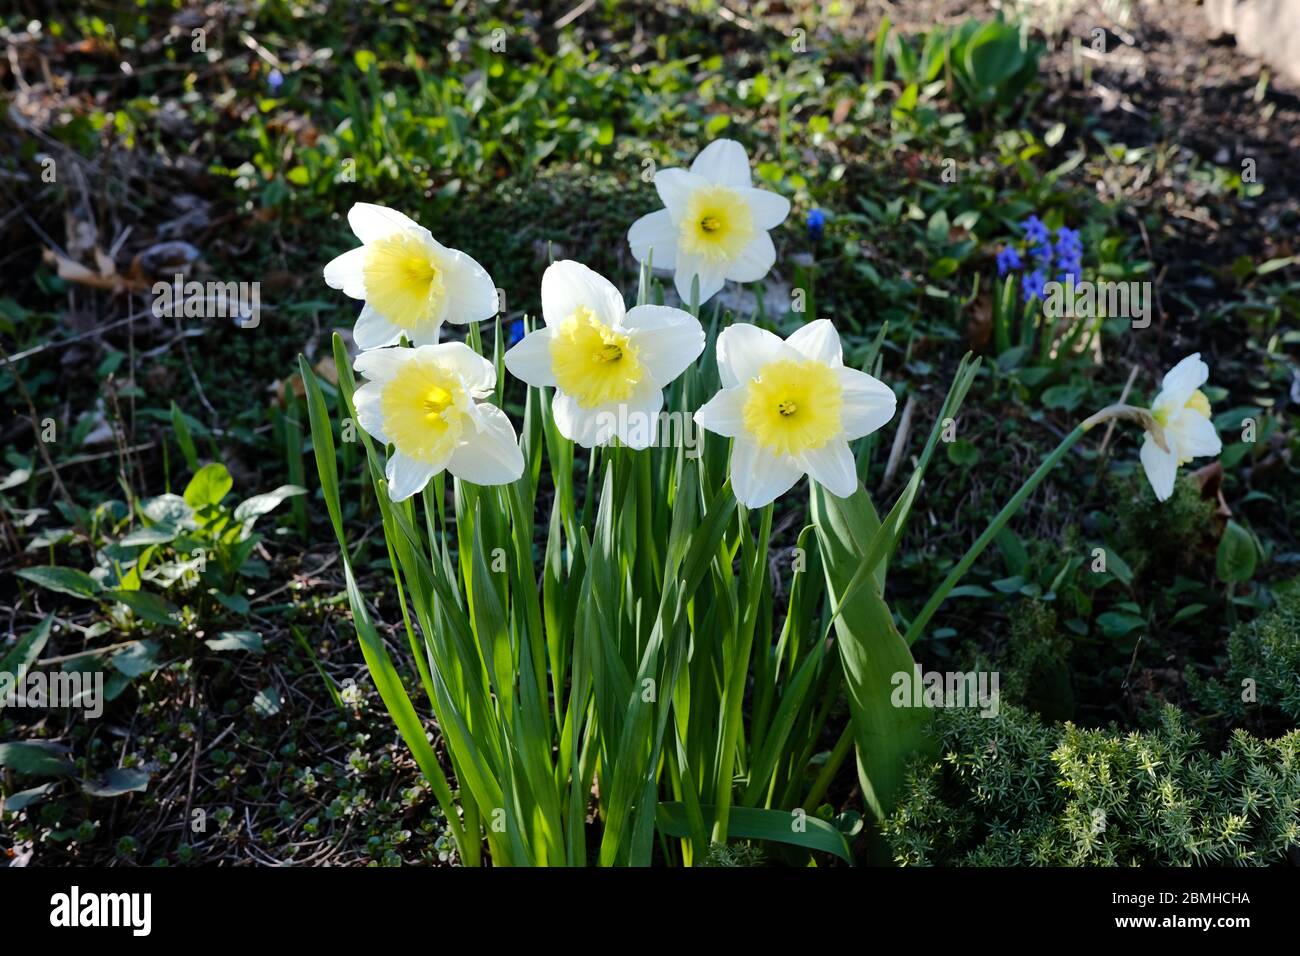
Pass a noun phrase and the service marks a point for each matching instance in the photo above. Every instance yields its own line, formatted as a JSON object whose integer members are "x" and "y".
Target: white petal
{"x": 712, "y": 276}
{"x": 567, "y": 285}
{"x": 477, "y": 373}
{"x": 406, "y": 476}
{"x": 380, "y": 365}
{"x": 1194, "y": 434}
{"x": 427, "y": 334}
{"x": 759, "y": 477}
{"x": 1161, "y": 468}
{"x": 370, "y": 416}
{"x": 529, "y": 360}
{"x": 869, "y": 403}
{"x": 471, "y": 293}
{"x": 667, "y": 340}
{"x": 1190, "y": 374}
{"x": 744, "y": 349}
{"x": 373, "y": 331}
{"x": 675, "y": 187}
{"x": 819, "y": 341}
{"x": 586, "y": 426}
{"x": 769, "y": 209}
{"x": 347, "y": 272}
{"x": 490, "y": 456}
{"x": 370, "y": 222}
{"x": 724, "y": 162}
{"x": 832, "y": 467}
{"x": 637, "y": 419}
{"x": 754, "y": 261}
{"x": 724, "y": 413}
{"x": 654, "y": 232}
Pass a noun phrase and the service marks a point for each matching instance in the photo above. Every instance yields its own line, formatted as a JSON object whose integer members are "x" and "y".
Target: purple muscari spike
{"x": 816, "y": 224}
{"x": 1033, "y": 285}
{"x": 1034, "y": 229}
{"x": 1008, "y": 259}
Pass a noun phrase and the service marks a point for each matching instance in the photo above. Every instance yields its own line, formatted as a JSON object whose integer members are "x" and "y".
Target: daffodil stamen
{"x": 404, "y": 279}
{"x": 422, "y": 411}
{"x": 593, "y": 362}
{"x": 793, "y": 406}
{"x": 718, "y": 224}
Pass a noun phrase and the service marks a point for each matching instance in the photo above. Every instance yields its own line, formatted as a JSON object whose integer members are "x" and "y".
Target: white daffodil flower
{"x": 424, "y": 402}
{"x": 715, "y": 224}
{"x": 411, "y": 283}
{"x": 792, "y": 407}
{"x": 1183, "y": 413}
{"x": 608, "y": 365}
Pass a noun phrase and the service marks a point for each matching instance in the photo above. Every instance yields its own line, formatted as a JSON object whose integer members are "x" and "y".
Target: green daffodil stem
{"x": 1008, "y": 512}
{"x": 737, "y": 676}
{"x": 1141, "y": 416}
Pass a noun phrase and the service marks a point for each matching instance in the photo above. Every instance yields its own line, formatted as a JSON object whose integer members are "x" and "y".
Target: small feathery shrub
{"x": 1153, "y": 534}
{"x": 1262, "y": 677}
{"x": 1038, "y": 658}
{"x": 1013, "y": 791}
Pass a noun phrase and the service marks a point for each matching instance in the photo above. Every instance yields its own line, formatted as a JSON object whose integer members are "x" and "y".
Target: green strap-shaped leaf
{"x": 871, "y": 651}
{"x": 776, "y": 826}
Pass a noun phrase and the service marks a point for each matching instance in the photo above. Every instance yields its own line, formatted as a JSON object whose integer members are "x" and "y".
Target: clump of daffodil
{"x": 792, "y": 407}
{"x": 715, "y": 224}
{"x": 1182, "y": 413}
{"x": 411, "y": 283}
{"x": 424, "y": 401}
{"x": 608, "y": 364}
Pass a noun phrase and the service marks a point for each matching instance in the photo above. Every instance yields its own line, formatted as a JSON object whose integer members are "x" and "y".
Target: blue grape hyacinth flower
{"x": 1035, "y": 231}
{"x": 1033, "y": 285}
{"x": 1008, "y": 259}
{"x": 816, "y": 224}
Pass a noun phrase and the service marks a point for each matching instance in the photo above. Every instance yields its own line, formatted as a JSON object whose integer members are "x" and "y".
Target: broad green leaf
{"x": 267, "y": 702}
{"x": 181, "y": 428}
{"x": 752, "y": 823}
{"x": 70, "y": 581}
{"x": 168, "y": 510}
{"x": 1118, "y": 623}
{"x": 209, "y": 485}
{"x": 142, "y": 537}
{"x": 116, "y": 782}
{"x": 26, "y": 798}
{"x": 1237, "y": 555}
{"x": 139, "y": 658}
{"x": 25, "y": 653}
{"x": 259, "y": 505}
{"x": 871, "y": 651}
{"x": 146, "y": 606}
{"x": 36, "y": 757}
{"x": 236, "y": 641}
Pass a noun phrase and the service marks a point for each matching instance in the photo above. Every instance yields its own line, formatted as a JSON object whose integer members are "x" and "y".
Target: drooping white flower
{"x": 792, "y": 407}
{"x": 608, "y": 365}
{"x": 424, "y": 401}
{"x": 1183, "y": 413}
{"x": 411, "y": 283}
{"x": 715, "y": 224}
